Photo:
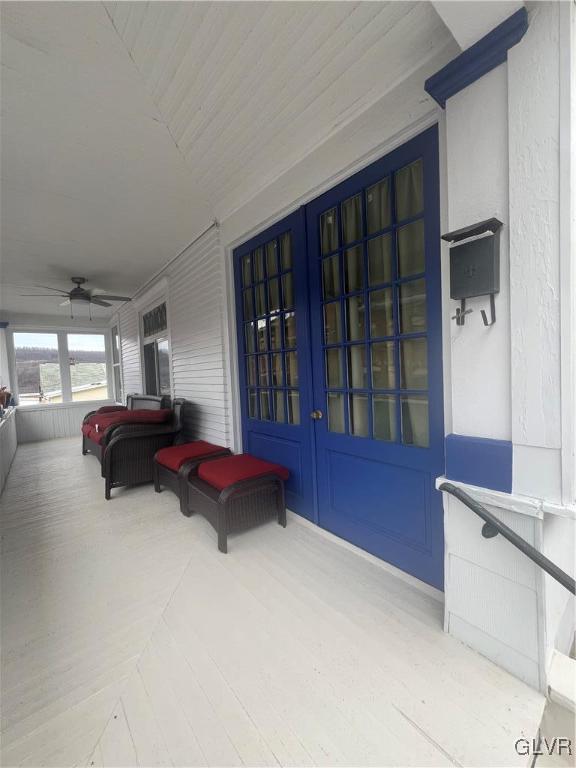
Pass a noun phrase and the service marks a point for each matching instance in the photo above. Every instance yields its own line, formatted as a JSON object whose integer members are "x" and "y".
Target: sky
{"x": 76, "y": 341}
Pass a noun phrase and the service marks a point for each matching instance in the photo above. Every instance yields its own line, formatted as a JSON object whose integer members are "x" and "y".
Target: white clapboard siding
{"x": 35, "y": 424}
{"x": 130, "y": 350}
{"x": 8, "y": 445}
{"x": 197, "y": 303}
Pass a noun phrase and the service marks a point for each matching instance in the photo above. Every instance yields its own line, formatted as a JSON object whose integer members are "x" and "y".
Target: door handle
{"x": 316, "y": 415}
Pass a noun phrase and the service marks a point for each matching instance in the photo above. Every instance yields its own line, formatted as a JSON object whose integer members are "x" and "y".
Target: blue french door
{"x": 341, "y": 357}
{"x": 271, "y": 278}
{"x": 374, "y": 276}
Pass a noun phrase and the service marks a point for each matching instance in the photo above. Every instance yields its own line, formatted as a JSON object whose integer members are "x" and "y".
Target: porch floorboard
{"x": 128, "y": 639}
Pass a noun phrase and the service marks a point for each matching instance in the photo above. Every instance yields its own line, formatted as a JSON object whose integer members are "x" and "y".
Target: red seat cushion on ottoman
{"x": 174, "y": 456}
{"x": 221, "y": 473}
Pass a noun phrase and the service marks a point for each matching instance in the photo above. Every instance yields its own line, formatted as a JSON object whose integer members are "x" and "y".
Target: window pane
{"x": 290, "y": 330}
{"x": 331, "y": 278}
{"x": 411, "y": 259}
{"x": 246, "y": 270}
{"x": 414, "y": 364}
{"x": 263, "y": 374}
{"x": 262, "y": 333}
{"x": 279, "y": 413}
{"x": 286, "y": 250}
{"x": 332, "y": 324}
{"x": 273, "y": 295}
{"x": 155, "y": 321}
{"x": 329, "y": 231}
{"x": 117, "y": 384}
{"x": 275, "y": 332}
{"x": 265, "y": 405}
{"x": 335, "y": 409}
{"x": 87, "y": 359}
{"x": 357, "y": 368}
{"x": 334, "y": 368}
{"x": 358, "y": 405}
{"x": 409, "y": 190}
{"x": 384, "y": 417}
{"x": 355, "y": 318}
{"x": 249, "y": 329}
{"x": 352, "y": 219}
{"x": 260, "y": 291}
{"x": 251, "y": 371}
{"x": 383, "y": 373}
{"x": 37, "y": 368}
{"x": 272, "y": 258}
{"x": 115, "y": 345}
{"x": 291, "y": 369}
{"x": 150, "y": 377}
{"x": 293, "y": 407}
{"x": 378, "y": 206}
{"x": 258, "y": 260}
{"x": 380, "y": 260}
{"x": 252, "y": 404}
{"x": 288, "y": 291}
{"x": 248, "y": 307}
{"x": 354, "y": 269}
{"x": 163, "y": 351}
{"x": 381, "y": 313}
{"x": 413, "y": 306}
{"x": 415, "y": 421}
{"x": 277, "y": 373}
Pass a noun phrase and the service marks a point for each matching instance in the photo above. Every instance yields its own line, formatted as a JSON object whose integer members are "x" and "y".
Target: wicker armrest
{"x": 246, "y": 486}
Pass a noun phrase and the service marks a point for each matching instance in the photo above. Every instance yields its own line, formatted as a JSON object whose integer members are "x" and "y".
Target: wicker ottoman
{"x": 236, "y": 492}
{"x": 173, "y": 465}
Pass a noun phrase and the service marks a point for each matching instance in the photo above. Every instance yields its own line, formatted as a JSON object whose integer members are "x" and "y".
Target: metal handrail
{"x": 492, "y": 527}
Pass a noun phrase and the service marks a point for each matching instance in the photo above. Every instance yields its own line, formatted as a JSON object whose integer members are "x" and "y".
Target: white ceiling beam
{"x": 470, "y": 20}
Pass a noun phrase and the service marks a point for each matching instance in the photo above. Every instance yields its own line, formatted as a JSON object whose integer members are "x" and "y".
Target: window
{"x": 60, "y": 367}
{"x": 116, "y": 366}
{"x": 156, "y": 351}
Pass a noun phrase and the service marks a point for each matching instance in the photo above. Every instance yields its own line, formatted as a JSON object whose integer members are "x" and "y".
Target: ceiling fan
{"x": 79, "y": 296}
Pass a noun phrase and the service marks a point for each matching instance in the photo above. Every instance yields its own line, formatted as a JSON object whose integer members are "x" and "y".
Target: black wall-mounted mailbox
{"x": 475, "y": 268}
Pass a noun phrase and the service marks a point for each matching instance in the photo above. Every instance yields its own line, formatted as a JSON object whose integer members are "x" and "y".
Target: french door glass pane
{"x": 274, "y": 295}
{"x": 251, "y": 370}
{"x": 262, "y": 332}
{"x": 357, "y": 368}
{"x": 413, "y": 364}
{"x": 334, "y": 368}
{"x": 276, "y": 332}
{"x": 355, "y": 318}
{"x": 293, "y": 406}
{"x": 271, "y": 258}
{"x": 411, "y": 249}
{"x": 359, "y": 425}
{"x": 279, "y": 413}
{"x": 290, "y": 330}
{"x": 383, "y": 369}
{"x": 291, "y": 369}
{"x": 378, "y": 206}
{"x": 380, "y": 260}
{"x": 265, "y": 405}
{"x": 381, "y": 313}
{"x": 252, "y": 404}
{"x": 246, "y": 270}
{"x": 331, "y": 277}
{"x": 286, "y": 250}
{"x": 248, "y": 307}
{"x": 384, "y": 417}
{"x": 258, "y": 259}
{"x": 329, "y": 231}
{"x": 354, "y": 269}
{"x": 352, "y": 219}
{"x": 260, "y": 291}
{"x": 263, "y": 373}
{"x": 415, "y": 421}
{"x": 336, "y": 412}
{"x": 408, "y": 183}
{"x": 332, "y": 324}
{"x": 413, "y": 306}
{"x": 249, "y": 329}
{"x": 277, "y": 373}
{"x": 288, "y": 291}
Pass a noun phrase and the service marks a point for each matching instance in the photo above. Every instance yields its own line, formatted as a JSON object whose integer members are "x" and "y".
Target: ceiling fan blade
{"x": 48, "y": 288}
{"x": 94, "y": 300}
{"x": 110, "y": 298}
{"x": 65, "y": 303}
{"x": 40, "y": 295}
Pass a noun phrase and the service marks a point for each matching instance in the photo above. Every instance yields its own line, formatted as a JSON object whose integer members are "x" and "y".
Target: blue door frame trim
{"x": 488, "y": 53}
{"x": 479, "y": 461}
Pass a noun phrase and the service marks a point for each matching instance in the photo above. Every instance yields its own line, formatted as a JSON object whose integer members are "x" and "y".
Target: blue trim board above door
{"x": 479, "y": 461}
{"x": 488, "y": 53}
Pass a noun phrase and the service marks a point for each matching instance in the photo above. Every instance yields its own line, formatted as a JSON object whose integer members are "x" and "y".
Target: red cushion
{"x": 221, "y": 473}
{"x": 86, "y": 429}
{"x": 174, "y": 456}
{"x": 105, "y": 420}
{"x": 90, "y": 432}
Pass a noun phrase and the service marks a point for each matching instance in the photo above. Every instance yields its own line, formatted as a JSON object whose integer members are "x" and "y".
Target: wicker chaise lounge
{"x": 236, "y": 492}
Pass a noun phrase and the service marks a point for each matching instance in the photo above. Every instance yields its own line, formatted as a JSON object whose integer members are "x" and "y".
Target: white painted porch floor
{"x": 128, "y": 639}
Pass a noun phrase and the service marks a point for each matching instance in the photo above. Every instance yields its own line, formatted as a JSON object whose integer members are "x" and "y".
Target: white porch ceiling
{"x": 127, "y": 127}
